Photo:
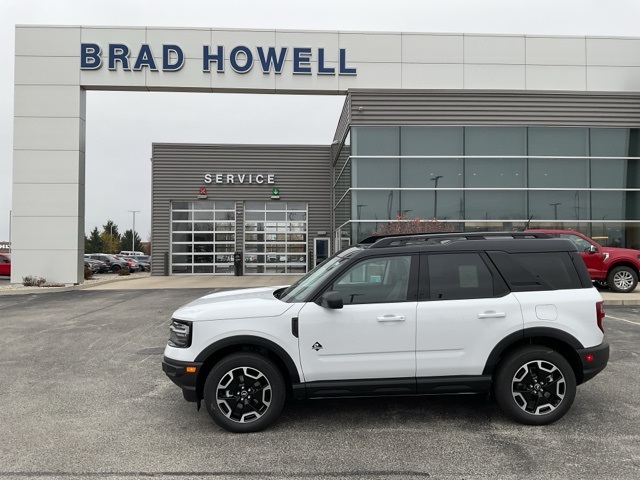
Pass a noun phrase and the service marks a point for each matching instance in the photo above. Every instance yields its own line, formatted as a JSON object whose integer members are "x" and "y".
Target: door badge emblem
{"x": 316, "y": 346}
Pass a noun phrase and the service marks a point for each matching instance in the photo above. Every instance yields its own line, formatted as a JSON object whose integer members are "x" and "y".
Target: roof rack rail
{"x": 443, "y": 238}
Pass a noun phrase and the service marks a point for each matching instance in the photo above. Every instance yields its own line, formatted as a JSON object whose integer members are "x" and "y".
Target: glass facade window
{"x": 486, "y": 205}
{"x": 492, "y": 177}
{"x": 559, "y": 204}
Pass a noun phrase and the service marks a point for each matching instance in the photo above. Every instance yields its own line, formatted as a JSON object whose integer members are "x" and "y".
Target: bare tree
{"x": 416, "y": 225}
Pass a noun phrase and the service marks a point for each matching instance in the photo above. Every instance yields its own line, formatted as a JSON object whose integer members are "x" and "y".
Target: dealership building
{"x": 479, "y": 132}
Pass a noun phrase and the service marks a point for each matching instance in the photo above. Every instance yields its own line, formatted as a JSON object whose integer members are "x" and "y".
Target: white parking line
{"x": 622, "y": 320}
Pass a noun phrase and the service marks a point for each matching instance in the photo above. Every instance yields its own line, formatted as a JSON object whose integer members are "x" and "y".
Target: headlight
{"x": 180, "y": 334}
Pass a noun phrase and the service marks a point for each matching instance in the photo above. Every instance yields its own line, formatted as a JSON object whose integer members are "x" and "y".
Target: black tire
{"x": 600, "y": 285}
{"x": 622, "y": 279}
{"x": 242, "y": 406}
{"x": 115, "y": 268}
{"x": 535, "y": 385}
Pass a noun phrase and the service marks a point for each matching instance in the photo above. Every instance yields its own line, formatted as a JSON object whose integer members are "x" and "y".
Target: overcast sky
{"x": 121, "y": 126}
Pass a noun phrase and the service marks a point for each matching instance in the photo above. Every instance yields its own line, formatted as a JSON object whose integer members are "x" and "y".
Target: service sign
{"x": 241, "y": 59}
{"x": 240, "y": 178}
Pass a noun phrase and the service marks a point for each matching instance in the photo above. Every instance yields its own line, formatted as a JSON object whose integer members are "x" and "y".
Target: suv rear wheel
{"x": 244, "y": 392}
{"x": 622, "y": 279}
{"x": 535, "y": 385}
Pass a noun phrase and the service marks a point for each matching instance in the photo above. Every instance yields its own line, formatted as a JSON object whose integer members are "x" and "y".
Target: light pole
{"x": 133, "y": 234}
{"x": 359, "y": 216}
{"x": 435, "y": 195}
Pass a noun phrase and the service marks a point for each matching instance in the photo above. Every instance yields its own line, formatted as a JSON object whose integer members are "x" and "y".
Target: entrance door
{"x": 320, "y": 250}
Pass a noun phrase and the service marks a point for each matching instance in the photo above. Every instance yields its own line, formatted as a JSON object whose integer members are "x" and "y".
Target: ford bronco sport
{"x": 514, "y": 314}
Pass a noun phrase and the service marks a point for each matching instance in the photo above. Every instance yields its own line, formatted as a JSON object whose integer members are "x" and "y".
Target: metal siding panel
{"x": 493, "y": 108}
{"x": 344, "y": 121}
{"x": 302, "y": 175}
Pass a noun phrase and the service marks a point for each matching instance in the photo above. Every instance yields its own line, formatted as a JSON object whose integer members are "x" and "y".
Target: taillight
{"x": 600, "y": 314}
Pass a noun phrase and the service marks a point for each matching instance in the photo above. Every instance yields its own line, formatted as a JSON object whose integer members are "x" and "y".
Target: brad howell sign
{"x": 241, "y": 59}
{"x": 241, "y": 178}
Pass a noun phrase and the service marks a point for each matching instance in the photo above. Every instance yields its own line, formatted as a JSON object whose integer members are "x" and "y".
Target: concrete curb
{"x": 82, "y": 286}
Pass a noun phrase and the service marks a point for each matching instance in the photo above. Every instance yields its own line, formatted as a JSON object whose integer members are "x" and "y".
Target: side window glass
{"x": 579, "y": 242}
{"x": 459, "y": 276}
{"x": 526, "y": 272}
{"x": 375, "y": 280}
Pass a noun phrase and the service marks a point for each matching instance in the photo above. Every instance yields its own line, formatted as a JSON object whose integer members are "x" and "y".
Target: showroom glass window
{"x": 495, "y": 158}
{"x": 375, "y": 176}
{"x": 496, "y": 177}
{"x": 442, "y": 169}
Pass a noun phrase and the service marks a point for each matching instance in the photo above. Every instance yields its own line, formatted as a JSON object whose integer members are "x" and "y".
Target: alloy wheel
{"x": 244, "y": 394}
{"x": 538, "y": 387}
{"x": 623, "y": 280}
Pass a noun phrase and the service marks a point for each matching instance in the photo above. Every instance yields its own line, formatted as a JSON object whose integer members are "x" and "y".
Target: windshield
{"x": 298, "y": 291}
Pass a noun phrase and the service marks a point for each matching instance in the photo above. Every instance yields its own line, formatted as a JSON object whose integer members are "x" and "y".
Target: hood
{"x": 615, "y": 254}
{"x": 243, "y": 303}
{"x": 622, "y": 251}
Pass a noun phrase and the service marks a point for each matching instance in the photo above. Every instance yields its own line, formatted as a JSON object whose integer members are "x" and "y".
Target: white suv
{"x": 510, "y": 313}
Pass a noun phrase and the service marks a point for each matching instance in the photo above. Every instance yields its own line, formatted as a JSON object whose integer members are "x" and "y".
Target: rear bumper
{"x": 187, "y": 381}
{"x": 599, "y": 358}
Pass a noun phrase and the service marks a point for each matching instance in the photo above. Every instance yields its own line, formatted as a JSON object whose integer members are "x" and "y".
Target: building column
{"x": 48, "y": 156}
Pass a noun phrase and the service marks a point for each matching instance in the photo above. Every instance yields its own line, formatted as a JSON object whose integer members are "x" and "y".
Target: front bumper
{"x": 599, "y": 358}
{"x": 187, "y": 381}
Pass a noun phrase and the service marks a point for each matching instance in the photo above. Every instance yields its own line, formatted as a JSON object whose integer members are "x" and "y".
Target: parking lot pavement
{"x": 84, "y": 396}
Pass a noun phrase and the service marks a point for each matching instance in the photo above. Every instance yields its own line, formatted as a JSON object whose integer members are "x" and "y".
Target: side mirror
{"x": 331, "y": 299}
{"x": 593, "y": 249}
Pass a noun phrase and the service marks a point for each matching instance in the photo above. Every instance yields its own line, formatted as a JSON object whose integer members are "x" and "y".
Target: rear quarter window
{"x": 457, "y": 276}
{"x": 537, "y": 271}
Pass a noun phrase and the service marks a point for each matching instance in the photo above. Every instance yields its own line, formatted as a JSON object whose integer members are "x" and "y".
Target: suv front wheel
{"x": 535, "y": 385}
{"x": 244, "y": 392}
{"x": 622, "y": 279}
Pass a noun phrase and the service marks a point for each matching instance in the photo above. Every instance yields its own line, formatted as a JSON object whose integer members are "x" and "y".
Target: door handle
{"x": 492, "y": 315}
{"x": 392, "y": 318}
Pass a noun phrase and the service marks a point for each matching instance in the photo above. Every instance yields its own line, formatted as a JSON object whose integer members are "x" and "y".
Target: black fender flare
{"x": 240, "y": 340}
{"x": 519, "y": 337}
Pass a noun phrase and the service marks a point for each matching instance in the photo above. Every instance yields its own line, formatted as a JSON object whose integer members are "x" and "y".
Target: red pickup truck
{"x": 5, "y": 264}
{"x": 618, "y": 267}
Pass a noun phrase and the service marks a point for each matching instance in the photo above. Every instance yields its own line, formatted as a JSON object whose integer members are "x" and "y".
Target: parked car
{"x": 91, "y": 266}
{"x": 5, "y": 264}
{"x": 514, "y": 314}
{"x": 115, "y": 264}
{"x": 98, "y": 266}
{"x": 143, "y": 265}
{"x": 618, "y": 267}
{"x": 131, "y": 253}
{"x": 133, "y": 265}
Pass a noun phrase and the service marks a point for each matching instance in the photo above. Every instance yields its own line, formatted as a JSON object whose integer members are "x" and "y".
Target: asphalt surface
{"x": 83, "y": 395}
